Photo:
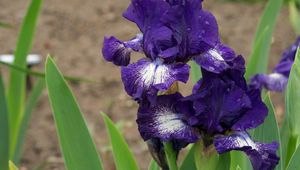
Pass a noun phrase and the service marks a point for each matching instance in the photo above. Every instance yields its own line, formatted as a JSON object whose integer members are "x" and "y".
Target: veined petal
{"x": 164, "y": 121}
{"x": 216, "y": 59}
{"x": 145, "y": 78}
{"x": 262, "y": 156}
{"x": 274, "y": 82}
{"x": 119, "y": 52}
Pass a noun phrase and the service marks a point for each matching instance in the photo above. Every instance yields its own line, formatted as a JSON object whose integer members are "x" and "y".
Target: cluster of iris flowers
{"x": 222, "y": 106}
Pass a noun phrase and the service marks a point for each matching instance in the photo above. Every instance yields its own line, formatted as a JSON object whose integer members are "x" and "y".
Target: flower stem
{"x": 171, "y": 156}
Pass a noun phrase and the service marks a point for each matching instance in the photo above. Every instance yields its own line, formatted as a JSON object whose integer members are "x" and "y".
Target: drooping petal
{"x": 253, "y": 117}
{"x": 145, "y": 78}
{"x": 216, "y": 59}
{"x": 118, "y": 52}
{"x": 273, "y": 82}
{"x": 262, "y": 156}
{"x": 164, "y": 121}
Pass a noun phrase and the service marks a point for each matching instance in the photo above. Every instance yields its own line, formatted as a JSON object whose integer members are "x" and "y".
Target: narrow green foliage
{"x": 4, "y": 129}
{"x": 189, "y": 160}
{"x": 224, "y": 161}
{"x": 171, "y": 156}
{"x": 76, "y": 143}
{"x": 16, "y": 87}
{"x": 293, "y": 97}
{"x": 153, "y": 165}
{"x": 261, "y": 46}
{"x": 42, "y": 75}
{"x": 294, "y": 16}
{"x": 268, "y": 131}
{"x": 12, "y": 166}
{"x": 123, "y": 157}
{"x": 239, "y": 160}
{"x": 291, "y": 148}
{"x": 294, "y": 163}
{"x": 30, "y": 105}
{"x": 284, "y": 140}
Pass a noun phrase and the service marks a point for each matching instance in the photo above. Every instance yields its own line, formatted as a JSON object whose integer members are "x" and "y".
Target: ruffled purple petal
{"x": 193, "y": 28}
{"x": 216, "y": 59}
{"x": 146, "y": 13}
{"x": 253, "y": 117}
{"x": 119, "y": 52}
{"x": 164, "y": 121}
{"x": 145, "y": 78}
{"x": 262, "y": 156}
{"x": 273, "y": 82}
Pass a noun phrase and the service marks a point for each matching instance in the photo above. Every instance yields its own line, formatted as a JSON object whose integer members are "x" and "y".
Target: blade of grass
{"x": 16, "y": 86}
{"x": 294, "y": 163}
{"x": 269, "y": 131}
{"x": 76, "y": 143}
{"x": 12, "y": 166}
{"x": 42, "y": 75}
{"x": 123, "y": 157}
{"x": 153, "y": 165}
{"x": 4, "y": 130}
{"x": 293, "y": 107}
{"x": 30, "y": 105}
{"x": 189, "y": 160}
{"x": 294, "y": 16}
{"x": 262, "y": 42}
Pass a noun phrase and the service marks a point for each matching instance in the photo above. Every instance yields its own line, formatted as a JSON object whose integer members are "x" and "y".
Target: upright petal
{"x": 262, "y": 156}
{"x": 194, "y": 29}
{"x": 274, "y": 82}
{"x": 118, "y": 52}
{"x": 164, "y": 121}
{"x": 146, "y": 13}
{"x": 145, "y": 78}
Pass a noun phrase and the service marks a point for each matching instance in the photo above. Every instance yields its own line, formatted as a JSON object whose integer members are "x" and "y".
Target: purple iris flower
{"x": 173, "y": 32}
{"x": 278, "y": 79}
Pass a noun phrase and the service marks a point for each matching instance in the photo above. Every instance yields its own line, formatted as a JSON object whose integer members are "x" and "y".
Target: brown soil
{"x": 73, "y": 30}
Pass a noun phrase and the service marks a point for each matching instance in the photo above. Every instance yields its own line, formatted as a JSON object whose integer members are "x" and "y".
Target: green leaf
{"x": 16, "y": 86}
{"x": 189, "y": 160}
{"x": 195, "y": 71}
{"x": 224, "y": 161}
{"x": 268, "y": 131}
{"x": 4, "y": 130}
{"x": 284, "y": 140}
{"x": 239, "y": 160}
{"x": 12, "y": 166}
{"x": 76, "y": 143}
{"x": 294, "y": 163}
{"x": 294, "y": 16}
{"x": 261, "y": 46}
{"x": 153, "y": 165}
{"x": 123, "y": 157}
{"x": 42, "y": 75}
{"x": 30, "y": 105}
{"x": 170, "y": 155}
{"x": 293, "y": 97}
{"x": 293, "y": 108}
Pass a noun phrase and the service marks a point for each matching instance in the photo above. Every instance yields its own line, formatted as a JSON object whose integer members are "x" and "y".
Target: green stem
{"x": 171, "y": 156}
{"x": 205, "y": 158}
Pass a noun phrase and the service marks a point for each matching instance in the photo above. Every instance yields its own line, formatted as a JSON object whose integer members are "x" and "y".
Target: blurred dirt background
{"x": 72, "y": 31}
